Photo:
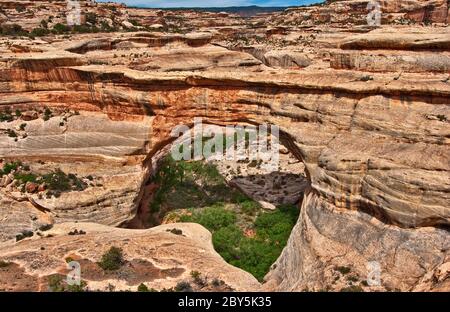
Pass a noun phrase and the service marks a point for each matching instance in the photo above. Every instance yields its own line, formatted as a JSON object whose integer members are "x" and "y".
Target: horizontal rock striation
{"x": 367, "y": 114}
{"x": 368, "y": 146}
{"x": 356, "y": 12}
{"x": 392, "y": 50}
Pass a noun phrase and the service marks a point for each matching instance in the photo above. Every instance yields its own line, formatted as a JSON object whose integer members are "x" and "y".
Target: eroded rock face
{"x": 364, "y": 114}
{"x": 325, "y": 239}
{"x": 356, "y": 11}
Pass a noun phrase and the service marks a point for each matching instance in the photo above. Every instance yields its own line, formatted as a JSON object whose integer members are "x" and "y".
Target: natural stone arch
{"x": 340, "y": 126}
{"x": 369, "y": 146}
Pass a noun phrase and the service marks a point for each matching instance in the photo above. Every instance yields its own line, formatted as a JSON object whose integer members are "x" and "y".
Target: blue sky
{"x": 213, "y": 3}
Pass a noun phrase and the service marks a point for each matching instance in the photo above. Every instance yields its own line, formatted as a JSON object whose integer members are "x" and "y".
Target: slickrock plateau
{"x": 86, "y": 112}
{"x": 156, "y": 257}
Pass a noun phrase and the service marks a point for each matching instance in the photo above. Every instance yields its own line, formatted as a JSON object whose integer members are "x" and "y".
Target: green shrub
{"x": 6, "y": 116}
{"x": 200, "y": 187}
{"x": 46, "y": 227}
{"x": 216, "y": 282}
{"x": 60, "y": 28}
{"x": 26, "y": 177}
{"x": 142, "y": 288}
{"x": 366, "y": 78}
{"x": 61, "y": 182}
{"x": 196, "y": 276}
{"x": 39, "y": 32}
{"x": 20, "y": 8}
{"x": 186, "y": 184}
{"x": 135, "y": 22}
{"x": 112, "y": 260}
{"x": 276, "y": 226}
{"x": 239, "y": 197}
{"x": 84, "y": 29}
{"x": 183, "y": 287}
{"x": 442, "y": 117}
{"x": 11, "y": 133}
{"x": 69, "y": 259}
{"x": 55, "y": 283}
{"x": 77, "y": 288}
{"x": 57, "y": 181}
{"x": 12, "y": 166}
{"x": 169, "y": 175}
{"x": 104, "y": 26}
{"x": 47, "y": 114}
{"x": 254, "y": 255}
{"x": 13, "y": 30}
{"x": 91, "y": 18}
{"x": 44, "y": 24}
{"x": 343, "y": 269}
{"x": 4, "y": 264}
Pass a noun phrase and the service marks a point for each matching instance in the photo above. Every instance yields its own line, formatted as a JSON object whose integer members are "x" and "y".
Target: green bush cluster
{"x": 7, "y": 114}
{"x": 26, "y": 177}
{"x": 56, "y": 284}
{"x": 9, "y": 167}
{"x": 142, "y": 288}
{"x": 198, "y": 186}
{"x": 183, "y": 287}
{"x": 254, "y": 255}
{"x": 179, "y": 185}
{"x": 58, "y": 180}
{"x": 112, "y": 260}
{"x": 58, "y": 29}
{"x": 343, "y": 269}
{"x": 47, "y": 114}
{"x": 12, "y": 30}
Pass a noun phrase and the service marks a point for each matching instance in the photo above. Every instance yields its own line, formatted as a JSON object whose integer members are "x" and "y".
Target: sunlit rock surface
{"x": 367, "y": 114}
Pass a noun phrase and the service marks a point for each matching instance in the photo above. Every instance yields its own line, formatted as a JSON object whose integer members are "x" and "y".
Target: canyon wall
{"x": 355, "y": 12}
{"x": 368, "y": 114}
{"x": 374, "y": 154}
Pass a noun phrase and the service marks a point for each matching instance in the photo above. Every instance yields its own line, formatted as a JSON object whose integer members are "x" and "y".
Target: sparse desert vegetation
{"x": 112, "y": 259}
{"x": 90, "y": 107}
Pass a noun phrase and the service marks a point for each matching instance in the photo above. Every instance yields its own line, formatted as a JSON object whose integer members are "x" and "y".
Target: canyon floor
{"x": 86, "y": 115}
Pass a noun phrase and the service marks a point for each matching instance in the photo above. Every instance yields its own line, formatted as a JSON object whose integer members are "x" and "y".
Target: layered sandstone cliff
{"x": 368, "y": 115}
{"x": 355, "y": 12}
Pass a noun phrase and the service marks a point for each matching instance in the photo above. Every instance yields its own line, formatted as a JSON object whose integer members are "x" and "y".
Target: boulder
{"x": 31, "y": 187}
